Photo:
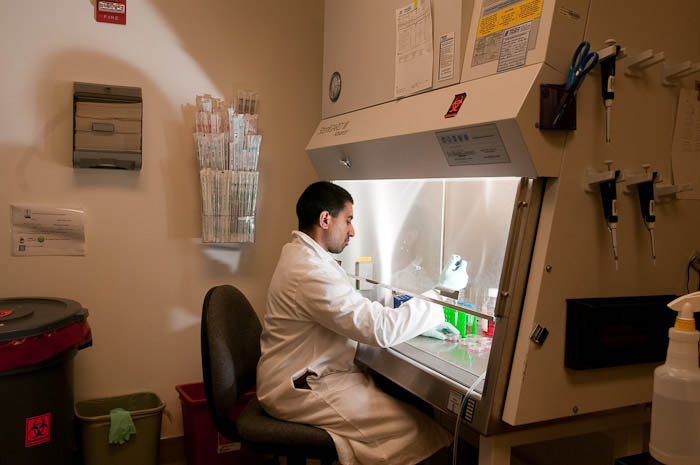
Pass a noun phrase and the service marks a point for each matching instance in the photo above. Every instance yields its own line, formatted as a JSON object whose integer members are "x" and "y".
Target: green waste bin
{"x": 146, "y": 410}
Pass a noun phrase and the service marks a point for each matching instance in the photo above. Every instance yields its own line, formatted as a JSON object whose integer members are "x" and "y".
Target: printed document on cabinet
{"x": 685, "y": 150}
{"x": 414, "y": 49}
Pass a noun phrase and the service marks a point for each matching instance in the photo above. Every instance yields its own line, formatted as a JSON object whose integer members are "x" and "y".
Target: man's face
{"x": 340, "y": 229}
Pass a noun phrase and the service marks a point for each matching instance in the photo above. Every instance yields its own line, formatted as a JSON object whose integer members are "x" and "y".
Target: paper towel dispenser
{"x": 107, "y": 122}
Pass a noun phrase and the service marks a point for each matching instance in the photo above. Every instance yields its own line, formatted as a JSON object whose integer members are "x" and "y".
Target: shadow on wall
{"x": 251, "y": 58}
{"x": 243, "y": 27}
{"x": 205, "y": 29}
{"x": 54, "y": 104}
{"x": 167, "y": 143}
{"x": 234, "y": 45}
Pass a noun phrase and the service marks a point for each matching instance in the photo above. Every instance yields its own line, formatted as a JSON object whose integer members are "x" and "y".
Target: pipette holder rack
{"x": 610, "y": 49}
{"x": 638, "y": 62}
{"x": 671, "y": 75}
{"x": 630, "y": 178}
{"x": 668, "y": 192}
{"x": 592, "y": 178}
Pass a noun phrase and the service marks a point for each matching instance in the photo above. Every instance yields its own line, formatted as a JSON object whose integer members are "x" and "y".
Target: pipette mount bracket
{"x": 671, "y": 75}
{"x": 631, "y": 178}
{"x": 638, "y": 62}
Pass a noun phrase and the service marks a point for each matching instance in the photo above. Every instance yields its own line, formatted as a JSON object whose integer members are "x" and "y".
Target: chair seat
{"x": 260, "y": 431}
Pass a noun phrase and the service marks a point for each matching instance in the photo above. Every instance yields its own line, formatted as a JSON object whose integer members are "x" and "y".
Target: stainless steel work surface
{"x": 462, "y": 361}
{"x": 423, "y": 374}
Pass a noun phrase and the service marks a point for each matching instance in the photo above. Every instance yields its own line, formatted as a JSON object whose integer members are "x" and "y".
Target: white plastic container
{"x": 490, "y": 303}
{"x": 675, "y": 409}
{"x": 489, "y": 307}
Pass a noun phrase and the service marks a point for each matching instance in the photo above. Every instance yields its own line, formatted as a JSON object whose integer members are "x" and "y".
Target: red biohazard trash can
{"x": 39, "y": 338}
{"x": 203, "y": 444}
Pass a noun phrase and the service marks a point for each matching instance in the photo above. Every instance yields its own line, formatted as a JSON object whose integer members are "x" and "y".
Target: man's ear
{"x": 324, "y": 219}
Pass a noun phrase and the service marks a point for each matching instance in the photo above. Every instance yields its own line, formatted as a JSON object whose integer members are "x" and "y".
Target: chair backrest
{"x": 230, "y": 349}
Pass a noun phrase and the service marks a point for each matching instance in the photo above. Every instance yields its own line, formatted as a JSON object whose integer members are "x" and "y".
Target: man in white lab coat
{"x": 314, "y": 319}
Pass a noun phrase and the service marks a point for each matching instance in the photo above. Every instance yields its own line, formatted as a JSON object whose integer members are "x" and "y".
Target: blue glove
{"x": 441, "y": 330}
{"x": 454, "y": 275}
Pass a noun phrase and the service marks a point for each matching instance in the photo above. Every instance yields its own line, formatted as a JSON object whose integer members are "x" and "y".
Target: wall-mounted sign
{"x": 473, "y": 145}
{"x": 47, "y": 231}
{"x": 111, "y": 12}
{"x": 456, "y": 105}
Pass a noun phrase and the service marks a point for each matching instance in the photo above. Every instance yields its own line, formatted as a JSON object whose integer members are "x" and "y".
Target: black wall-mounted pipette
{"x": 608, "y": 57}
{"x": 608, "y": 193}
{"x": 646, "y": 202}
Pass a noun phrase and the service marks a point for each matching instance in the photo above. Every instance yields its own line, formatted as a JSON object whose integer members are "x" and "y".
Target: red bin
{"x": 203, "y": 444}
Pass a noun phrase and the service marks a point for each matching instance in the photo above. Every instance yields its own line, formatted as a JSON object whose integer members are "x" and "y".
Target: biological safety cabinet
{"x": 359, "y": 58}
{"x": 467, "y": 168}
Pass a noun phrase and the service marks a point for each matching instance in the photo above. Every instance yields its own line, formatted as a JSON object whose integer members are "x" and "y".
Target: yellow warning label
{"x": 502, "y": 19}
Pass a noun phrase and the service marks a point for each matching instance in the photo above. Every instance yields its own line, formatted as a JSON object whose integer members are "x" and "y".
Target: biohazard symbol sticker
{"x": 456, "y": 105}
{"x": 37, "y": 430}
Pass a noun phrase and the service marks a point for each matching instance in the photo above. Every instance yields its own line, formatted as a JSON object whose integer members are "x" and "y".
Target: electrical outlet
{"x": 695, "y": 261}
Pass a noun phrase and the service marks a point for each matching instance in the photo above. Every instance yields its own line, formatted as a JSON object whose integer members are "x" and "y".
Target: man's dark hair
{"x": 319, "y": 197}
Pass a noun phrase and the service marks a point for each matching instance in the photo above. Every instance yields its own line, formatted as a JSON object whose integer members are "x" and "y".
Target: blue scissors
{"x": 581, "y": 63}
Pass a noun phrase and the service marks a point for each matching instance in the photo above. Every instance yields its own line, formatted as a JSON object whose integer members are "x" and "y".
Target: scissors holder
{"x": 552, "y": 98}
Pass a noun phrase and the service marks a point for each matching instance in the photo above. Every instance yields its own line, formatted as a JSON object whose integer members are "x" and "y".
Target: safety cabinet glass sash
{"x": 407, "y": 230}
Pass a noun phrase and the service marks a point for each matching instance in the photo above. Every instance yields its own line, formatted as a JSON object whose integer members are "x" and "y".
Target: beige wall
{"x": 145, "y": 273}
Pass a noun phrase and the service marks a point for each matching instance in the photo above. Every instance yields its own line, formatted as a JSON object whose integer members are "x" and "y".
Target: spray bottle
{"x": 675, "y": 410}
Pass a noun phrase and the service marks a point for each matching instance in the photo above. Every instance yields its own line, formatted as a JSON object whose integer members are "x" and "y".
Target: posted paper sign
{"x": 446, "y": 58}
{"x": 514, "y": 47}
{"x": 414, "y": 49}
{"x": 499, "y": 38}
{"x": 686, "y": 133}
{"x": 47, "y": 231}
{"x": 685, "y": 155}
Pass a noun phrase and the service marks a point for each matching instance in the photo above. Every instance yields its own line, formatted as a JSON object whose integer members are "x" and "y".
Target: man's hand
{"x": 441, "y": 331}
{"x": 454, "y": 275}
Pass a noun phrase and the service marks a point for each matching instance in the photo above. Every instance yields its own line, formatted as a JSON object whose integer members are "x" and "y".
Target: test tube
{"x": 449, "y": 315}
{"x": 462, "y": 323}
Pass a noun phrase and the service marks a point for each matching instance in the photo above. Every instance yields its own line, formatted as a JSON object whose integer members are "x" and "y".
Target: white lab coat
{"x": 314, "y": 319}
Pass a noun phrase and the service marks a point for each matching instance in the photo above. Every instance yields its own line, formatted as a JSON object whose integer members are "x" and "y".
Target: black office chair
{"x": 230, "y": 353}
